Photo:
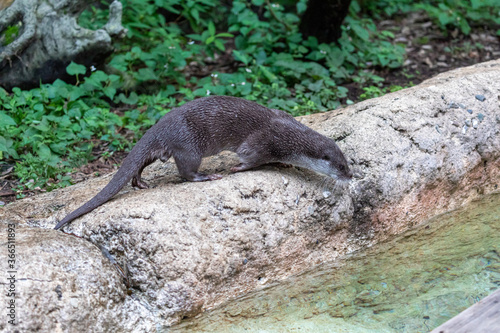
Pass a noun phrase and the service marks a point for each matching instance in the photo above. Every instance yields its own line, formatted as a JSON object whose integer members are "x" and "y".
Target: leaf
{"x": 316, "y": 87}
{"x": 210, "y": 40}
{"x": 146, "y": 74}
{"x": 60, "y": 147}
{"x": 4, "y": 144}
{"x": 301, "y": 7}
{"x": 382, "y": 59}
{"x": 110, "y": 92}
{"x": 246, "y": 89}
{"x": 136, "y": 52}
{"x": 6, "y": 120}
{"x": 238, "y": 7}
{"x": 99, "y": 76}
{"x": 261, "y": 57}
{"x": 76, "y": 93}
{"x": 131, "y": 100}
{"x": 75, "y": 69}
{"x": 38, "y": 107}
{"x": 200, "y": 92}
{"x": 92, "y": 84}
{"x": 195, "y": 37}
{"x": 53, "y": 90}
{"x": 218, "y": 90}
{"x": 195, "y": 14}
{"x": 75, "y": 112}
{"x": 53, "y": 160}
{"x": 464, "y": 26}
{"x": 241, "y": 57}
{"x": 113, "y": 78}
{"x": 44, "y": 152}
{"x": 44, "y": 125}
{"x": 224, "y": 34}
{"x": 96, "y": 78}
{"x": 3, "y": 93}
{"x": 245, "y": 30}
{"x": 220, "y": 45}
{"x": 355, "y": 7}
{"x": 211, "y": 28}
{"x": 335, "y": 58}
{"x": 361, "y": 32}
{"x": 444, "y": 18}
{"x": 342, "y": 92}
{"x": 270, "y": 76}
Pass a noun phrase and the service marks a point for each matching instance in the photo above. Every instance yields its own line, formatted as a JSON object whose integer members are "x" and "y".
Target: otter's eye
{"x": 326, "y": 158}
{"x": 341, "y": 167}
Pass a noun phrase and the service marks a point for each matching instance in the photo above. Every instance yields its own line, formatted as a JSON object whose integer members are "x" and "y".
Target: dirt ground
{"x": 429, "y": 52}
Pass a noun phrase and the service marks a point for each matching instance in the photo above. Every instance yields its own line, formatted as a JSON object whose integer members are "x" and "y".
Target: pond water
{"x": 412, "y": 283}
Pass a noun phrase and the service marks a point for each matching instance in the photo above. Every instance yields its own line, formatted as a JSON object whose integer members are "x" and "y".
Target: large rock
{"x": 62, "y": 283}
{"x": 190, "y": 246}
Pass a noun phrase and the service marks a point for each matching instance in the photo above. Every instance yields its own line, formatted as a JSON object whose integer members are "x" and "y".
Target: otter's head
{"x": 326, "y": 157}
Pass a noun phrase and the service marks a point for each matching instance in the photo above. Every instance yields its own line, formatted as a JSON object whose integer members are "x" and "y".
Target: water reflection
{"x": 413, "y": 283}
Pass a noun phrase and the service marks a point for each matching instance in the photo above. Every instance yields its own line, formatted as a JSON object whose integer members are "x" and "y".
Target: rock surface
{"x": 62, "y": 282}
{"x": 187, "y": 247}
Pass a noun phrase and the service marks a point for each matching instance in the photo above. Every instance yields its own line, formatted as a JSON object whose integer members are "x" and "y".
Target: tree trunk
{"x": 50, "y": 38}
{"x": 323, "y": 19}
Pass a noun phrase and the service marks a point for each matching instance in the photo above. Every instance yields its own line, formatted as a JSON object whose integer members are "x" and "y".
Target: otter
{"x": 209, "y": 125}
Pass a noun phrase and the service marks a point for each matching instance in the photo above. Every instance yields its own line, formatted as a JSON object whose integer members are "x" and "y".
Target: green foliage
{"x": 281, "y": 70}
{"x": 375, "y": 91}
{"x": 276, "y": 68}
{"x": 446, "y": 14}
{"x": 211, "y": 39}
{"x": 459, "y": 13}
{"x": 9, "y": 34}
{"x": 162, "y": 62}
{"x": 386, "y": 8}
{"x": 41, "y": 126}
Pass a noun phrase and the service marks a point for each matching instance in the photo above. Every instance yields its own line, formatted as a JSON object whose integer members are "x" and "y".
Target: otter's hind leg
{"x": 136, "y": 179}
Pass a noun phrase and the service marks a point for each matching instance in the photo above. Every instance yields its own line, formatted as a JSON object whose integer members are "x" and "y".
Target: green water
{"x": 412, "y": 283}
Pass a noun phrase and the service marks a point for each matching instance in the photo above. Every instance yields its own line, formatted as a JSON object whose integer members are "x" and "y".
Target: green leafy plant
{"x": 9, "y": 34}
{"x": 375, "y": 91}
{"x": 447, "y": 14}
{"x": 210, "y": 37}
{"x": 460, "y": 13}
{"x": 169, "y": 56}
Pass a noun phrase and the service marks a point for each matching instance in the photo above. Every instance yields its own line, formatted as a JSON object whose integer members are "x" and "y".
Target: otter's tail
{"x": 119, "y": 180}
